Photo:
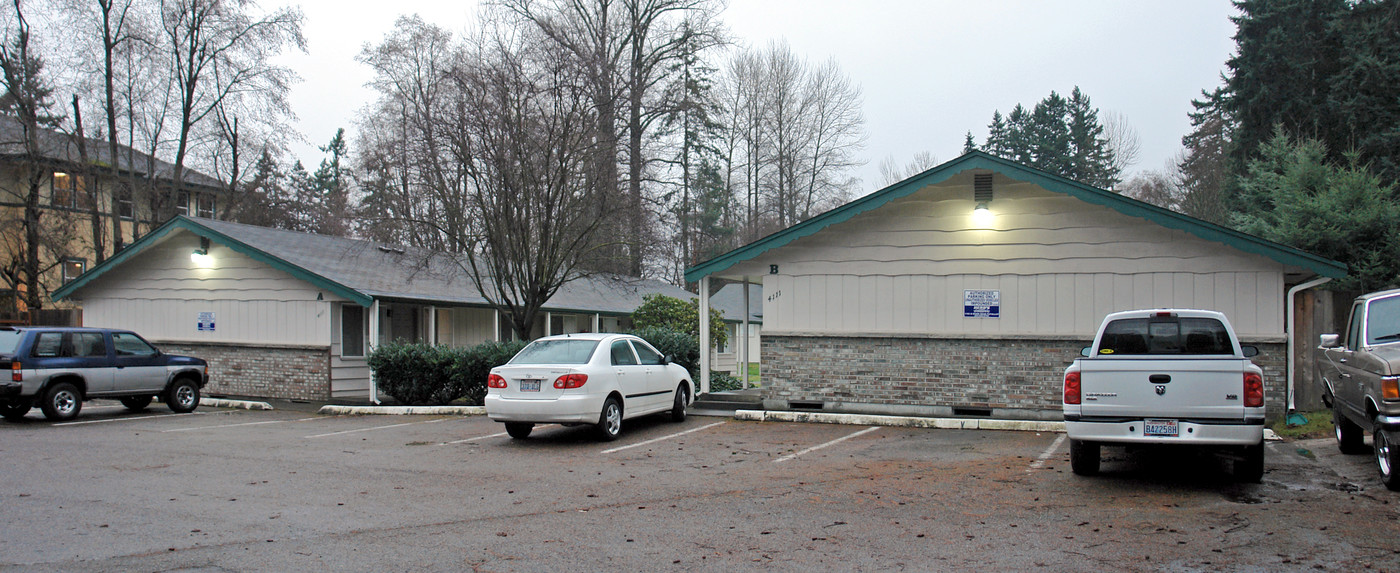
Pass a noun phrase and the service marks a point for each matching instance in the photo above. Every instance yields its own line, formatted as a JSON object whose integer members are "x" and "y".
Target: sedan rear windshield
{"x": 556, "y": 352}
{"x": 9, "y": 340}
{"x": 1150, "y": 336}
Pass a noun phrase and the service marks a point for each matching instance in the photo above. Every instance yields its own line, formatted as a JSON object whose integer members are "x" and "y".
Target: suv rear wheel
{"x": 61, "y": 402}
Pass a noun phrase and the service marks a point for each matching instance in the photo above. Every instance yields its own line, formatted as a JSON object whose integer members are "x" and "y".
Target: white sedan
{"x": 575, "y": 379}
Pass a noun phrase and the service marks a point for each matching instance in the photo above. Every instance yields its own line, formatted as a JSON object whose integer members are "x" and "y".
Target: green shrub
{"x": 676, "y": 314}
{"x": 683, "y": 348}
{"x": 419, "y": 374}
{"x": 416, "y": 373}
{"x": 475, "y": 364}
{"x": 723, "y": 382}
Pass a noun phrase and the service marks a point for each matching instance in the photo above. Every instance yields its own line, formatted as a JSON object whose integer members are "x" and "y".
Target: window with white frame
{"x": 352, "y": 330}
{"x": 73, "y": 267}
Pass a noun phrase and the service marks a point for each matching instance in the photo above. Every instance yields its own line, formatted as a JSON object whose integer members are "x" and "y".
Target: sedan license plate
{"x": 1159, "y": 428}
{"x": 529, "y": 385}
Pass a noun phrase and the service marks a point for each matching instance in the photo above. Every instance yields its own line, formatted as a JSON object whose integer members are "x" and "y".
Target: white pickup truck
{"x": 1166, "y": 377}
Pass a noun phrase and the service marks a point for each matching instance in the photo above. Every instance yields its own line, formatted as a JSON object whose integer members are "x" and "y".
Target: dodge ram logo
{"x": 1161, "y": 389}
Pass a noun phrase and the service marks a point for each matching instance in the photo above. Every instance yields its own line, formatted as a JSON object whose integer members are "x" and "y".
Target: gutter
{"x": 1292, "y": 358}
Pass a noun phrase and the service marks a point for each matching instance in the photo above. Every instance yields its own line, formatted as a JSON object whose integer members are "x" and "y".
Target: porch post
{"x": 373, "y": 342}
{"x": 432, "y": 326}
{"x": 705, "y": 334}
{"x": 496, "y": 324}
{"x": 743, "y": 341}
{"x": 548, "y": 323}
{"x": 597, "y": 321}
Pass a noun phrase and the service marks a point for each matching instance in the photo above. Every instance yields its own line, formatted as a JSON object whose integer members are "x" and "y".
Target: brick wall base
{"x": 1003, "y": 378}
{"x": 262, "y": 372}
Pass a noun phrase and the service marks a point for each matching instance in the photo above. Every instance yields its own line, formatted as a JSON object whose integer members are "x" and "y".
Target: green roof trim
{"x": 193, "y": 226}
{"x": 980, "y": 160}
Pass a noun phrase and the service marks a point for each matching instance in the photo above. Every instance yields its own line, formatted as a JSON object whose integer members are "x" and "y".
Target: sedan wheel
{"x": 678, "y": 408}
{"x": 519, "y": 430}
{"x": 62, "y": 402}
{"x": 1387, "y": 456}
{"x": 610, "y": 421}
{"x": 183, "y": 396}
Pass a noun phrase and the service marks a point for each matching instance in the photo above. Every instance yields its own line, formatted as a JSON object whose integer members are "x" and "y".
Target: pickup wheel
{"x": 1250, "y": 467}
{"x": 61, "y": 402}
{"x": 1084, "y": 457}
{"x": 1350, "y": 437}
{"x": 15, "y": 411}
{"x": 1387, "y": 457}
{"x": 136, "y": 403}
{"x": 182, "y": 396}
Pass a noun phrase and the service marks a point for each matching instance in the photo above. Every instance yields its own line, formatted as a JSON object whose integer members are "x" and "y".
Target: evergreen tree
{"x": 1344, "y": 213}
{"x": 1365, "y": 95}
{"x": 330, "y": 190}
{"x": 1059, "y": 136}
{"x": 1204, "y": 168}
{"x": 969, "y": 144}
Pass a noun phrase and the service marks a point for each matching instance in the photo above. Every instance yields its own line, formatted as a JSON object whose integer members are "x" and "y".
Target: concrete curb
{"x": 242, "y": 404}
{"x": 402, "y": 410}
{"x": 901, "y": 421}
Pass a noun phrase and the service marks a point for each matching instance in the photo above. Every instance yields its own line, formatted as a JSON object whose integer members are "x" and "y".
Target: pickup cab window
{"x": 1159, "y": 336}
{"x": 1381, "y": 320}
{"x": 1354, "y": 328}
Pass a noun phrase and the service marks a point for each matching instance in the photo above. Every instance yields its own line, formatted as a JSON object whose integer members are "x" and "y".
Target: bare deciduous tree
{"x": 891, "y": 172}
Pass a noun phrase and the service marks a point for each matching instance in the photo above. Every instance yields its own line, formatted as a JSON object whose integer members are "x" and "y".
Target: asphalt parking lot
{"x": 282, "y": 490}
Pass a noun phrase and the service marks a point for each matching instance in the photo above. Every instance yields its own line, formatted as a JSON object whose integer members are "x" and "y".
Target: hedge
{"x": 419, "y": 374}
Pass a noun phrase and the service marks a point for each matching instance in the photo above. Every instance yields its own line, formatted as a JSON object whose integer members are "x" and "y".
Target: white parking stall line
{"x": 831, "y": 443}
{"x": 125, "y": 419}
{"x": 236, "y": 425}
{"x": 487, "y": 437}
{"x": 1050, "y": 451}
{"x": 662, "y": 438}
{"x": 374, "y": 428}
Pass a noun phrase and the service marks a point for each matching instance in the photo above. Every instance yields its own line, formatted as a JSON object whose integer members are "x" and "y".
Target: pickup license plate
{"x": 529, "y": 385}
{"x": 1159, "y": 428}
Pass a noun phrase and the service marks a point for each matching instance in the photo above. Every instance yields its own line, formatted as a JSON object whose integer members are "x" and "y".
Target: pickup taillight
{"x": 1072, "y": 387}
{"x": 16, "y": 371}
{"x": 1253, "y": 390}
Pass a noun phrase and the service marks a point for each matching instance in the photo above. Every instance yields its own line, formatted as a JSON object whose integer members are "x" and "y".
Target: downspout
{"x": 705, "y": 335}
{"x": 1292, "y": 333}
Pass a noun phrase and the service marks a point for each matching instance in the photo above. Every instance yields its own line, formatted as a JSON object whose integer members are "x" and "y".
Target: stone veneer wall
{"x": 1005, "y": 378}
{"x": 288, "y": 373}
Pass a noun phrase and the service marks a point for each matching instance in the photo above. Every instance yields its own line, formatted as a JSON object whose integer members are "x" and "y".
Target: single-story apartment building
{"x": 283, "y": 314}
{"x": 967, "y": 289}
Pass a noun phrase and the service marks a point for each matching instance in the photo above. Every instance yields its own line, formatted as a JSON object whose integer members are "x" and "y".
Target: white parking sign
{"x": 981, "y": 304}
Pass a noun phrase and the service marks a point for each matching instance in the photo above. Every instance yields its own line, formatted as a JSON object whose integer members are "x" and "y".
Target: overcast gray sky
{"x": 930, "y": 70}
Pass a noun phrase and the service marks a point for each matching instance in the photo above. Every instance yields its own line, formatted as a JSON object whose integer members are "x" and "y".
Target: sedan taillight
{"x": 1072, "y": 387}
{"x": 1253, "y": 390}
{"x": 495, "y": 381}
{"x": 570, "y": 381}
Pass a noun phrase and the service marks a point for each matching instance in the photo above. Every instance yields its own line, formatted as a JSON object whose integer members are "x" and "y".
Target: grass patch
{"x": 1319, "y": 426}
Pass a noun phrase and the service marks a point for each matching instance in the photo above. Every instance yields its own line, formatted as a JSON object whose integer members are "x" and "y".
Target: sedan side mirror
{"x": 1330, "y": 341}
{"x": 1249, "y": 351}
{"x": 666, "y": 359}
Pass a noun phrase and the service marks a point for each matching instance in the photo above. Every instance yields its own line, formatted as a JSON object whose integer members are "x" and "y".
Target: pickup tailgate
{"x": 1155, "y": 387}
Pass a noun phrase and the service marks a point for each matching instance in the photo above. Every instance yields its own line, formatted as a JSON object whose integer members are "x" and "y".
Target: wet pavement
{"x": 238, "y": 490}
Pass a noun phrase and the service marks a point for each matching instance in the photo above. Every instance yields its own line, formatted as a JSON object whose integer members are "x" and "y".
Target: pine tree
{"x": 1090, "y": 160}
{"x": 969, "y": 144}
{"x": 1204, "y": 168}
{"x": 1060, "y": 136}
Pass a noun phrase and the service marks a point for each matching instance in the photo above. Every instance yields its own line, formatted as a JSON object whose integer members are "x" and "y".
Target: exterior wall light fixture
{"x": 200, "y": 256}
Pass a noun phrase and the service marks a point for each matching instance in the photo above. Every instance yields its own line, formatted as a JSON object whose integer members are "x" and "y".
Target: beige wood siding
{"x": 463, "y": 327}
{"x": 1060, "y": 265}
{"x": 161, "y": 293}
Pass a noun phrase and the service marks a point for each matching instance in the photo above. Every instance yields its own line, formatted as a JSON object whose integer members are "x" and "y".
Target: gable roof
{"x": 980, "y": 160}
{"x": 61, "y": 148}
{"x": 362, "y": 271}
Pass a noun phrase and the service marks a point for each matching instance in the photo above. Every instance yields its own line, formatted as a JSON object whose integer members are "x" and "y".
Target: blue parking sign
{"x": 981, "y": 304}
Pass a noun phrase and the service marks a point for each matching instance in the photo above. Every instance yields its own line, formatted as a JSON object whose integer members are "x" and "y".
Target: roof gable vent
{"x": 982, "y": 187}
